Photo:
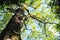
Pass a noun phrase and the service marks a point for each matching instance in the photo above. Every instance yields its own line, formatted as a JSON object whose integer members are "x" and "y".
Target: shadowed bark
{"x": 13, "y": 28}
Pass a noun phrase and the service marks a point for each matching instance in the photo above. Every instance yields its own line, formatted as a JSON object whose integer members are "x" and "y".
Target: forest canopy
{"x": 43, "y": 22}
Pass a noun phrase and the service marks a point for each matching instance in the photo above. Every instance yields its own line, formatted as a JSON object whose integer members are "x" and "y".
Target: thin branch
{"x": 45, "y": 29}
{"x": 39, "y": 19}
{"x": 50, "y": 23}
{"x": 26, "y": 5}
{"x": 25, "y": 25}
{"x": 27, "y": 28}
{"x": 34, "y": 17}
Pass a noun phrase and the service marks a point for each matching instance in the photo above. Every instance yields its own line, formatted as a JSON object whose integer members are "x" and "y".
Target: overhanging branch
{"x": 39, "y": 19}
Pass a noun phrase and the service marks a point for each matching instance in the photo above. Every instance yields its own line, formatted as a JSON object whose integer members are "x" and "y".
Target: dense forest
{"x": 41, "y": 18}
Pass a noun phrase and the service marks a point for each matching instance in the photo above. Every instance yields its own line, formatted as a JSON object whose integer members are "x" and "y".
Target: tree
{"x": 13, "y": 28}
{"x": 56, "y": 5}
{"x": 39, "y": 15}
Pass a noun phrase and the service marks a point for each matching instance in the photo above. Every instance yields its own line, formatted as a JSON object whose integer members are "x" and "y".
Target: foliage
{"x": 44, "y": 22}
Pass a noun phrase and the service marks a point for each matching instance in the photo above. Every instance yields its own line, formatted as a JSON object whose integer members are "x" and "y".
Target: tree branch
{"x": 39, "y": 19}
